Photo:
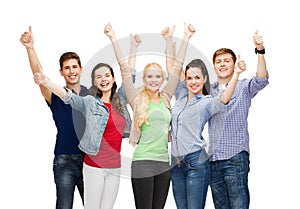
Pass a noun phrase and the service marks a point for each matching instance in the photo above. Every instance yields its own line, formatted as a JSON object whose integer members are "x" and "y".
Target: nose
{"x": 152, "y": 79}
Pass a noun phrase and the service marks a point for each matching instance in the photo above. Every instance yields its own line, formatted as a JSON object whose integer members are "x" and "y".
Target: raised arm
{"x": 127, "y": 79}
{"x": 28, "y": 41}
{"x": 77, "y": 102}
{"x": 170, "y": 52}
{"x": 189, "y": 30}
{"x": 228, "y": 92}
{"x": 42, "y": 80}
{"x": 135, "y": 41}
{"x": 123, "y": 63}
{"x": 261, "y": 62}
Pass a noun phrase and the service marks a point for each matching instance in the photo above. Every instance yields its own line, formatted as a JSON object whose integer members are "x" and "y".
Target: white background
{"x": 27, "y": 128}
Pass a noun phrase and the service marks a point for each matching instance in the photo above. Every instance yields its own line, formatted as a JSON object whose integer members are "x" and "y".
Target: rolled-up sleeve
{"x": 76, "y": 102}
{"x": 256, "y": 84}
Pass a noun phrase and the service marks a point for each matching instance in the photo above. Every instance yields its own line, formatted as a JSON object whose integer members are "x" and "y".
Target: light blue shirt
{"x": 189, "y": 119}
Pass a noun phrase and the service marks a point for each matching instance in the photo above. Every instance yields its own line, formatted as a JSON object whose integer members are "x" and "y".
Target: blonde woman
{"x": 151, "y": 120}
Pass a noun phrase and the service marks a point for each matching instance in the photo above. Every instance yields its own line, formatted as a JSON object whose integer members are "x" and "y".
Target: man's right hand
{"x": 27, "y": 38}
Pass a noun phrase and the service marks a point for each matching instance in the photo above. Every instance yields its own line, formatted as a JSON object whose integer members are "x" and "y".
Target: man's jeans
{"x": 229, "y": 182}
{"x": 67, "y": 175}
{"x": 190, "y": 179}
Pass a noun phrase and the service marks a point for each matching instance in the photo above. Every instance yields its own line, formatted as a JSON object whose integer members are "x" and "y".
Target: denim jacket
{"x": 96, "y": 116}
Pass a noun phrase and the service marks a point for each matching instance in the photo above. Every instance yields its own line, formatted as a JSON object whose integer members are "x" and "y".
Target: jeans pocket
{"x": 241, "y": 160}
{"x": 196, "y": 164}
{"x": 61, "y": 161}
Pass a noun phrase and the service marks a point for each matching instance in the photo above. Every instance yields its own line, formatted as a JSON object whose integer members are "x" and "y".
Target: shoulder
{"x": 205, "y": 99}
{"x": 83, "y": 91}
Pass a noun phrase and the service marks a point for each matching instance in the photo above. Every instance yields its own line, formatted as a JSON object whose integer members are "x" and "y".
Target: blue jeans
{"x": 229, "y": 182}
{"x": 67, "y": 171}
{"x": 190, "y": 179}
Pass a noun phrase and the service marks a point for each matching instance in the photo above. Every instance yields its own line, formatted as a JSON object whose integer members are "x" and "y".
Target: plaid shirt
{"x": 228, "y": 132}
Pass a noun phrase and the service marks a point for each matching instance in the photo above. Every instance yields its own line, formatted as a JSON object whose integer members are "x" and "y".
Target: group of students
{"x": 92, "y": 122}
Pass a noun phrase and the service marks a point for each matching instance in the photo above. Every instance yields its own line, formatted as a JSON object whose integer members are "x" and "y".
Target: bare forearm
{"x": 56, "y": 89}
{"x": 228, "y": 92}
{"x": 34, "y": 62}
{"x": 261, "y": 66}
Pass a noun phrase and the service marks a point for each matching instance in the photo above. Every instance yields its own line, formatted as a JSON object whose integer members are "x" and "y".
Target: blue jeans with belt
{"x": 229, "y": 182}
{"x": 190, "y": 179}
{"x": 67, "y": 171}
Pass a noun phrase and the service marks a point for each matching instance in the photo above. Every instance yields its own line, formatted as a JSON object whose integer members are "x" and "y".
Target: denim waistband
{"x": 72, "y": 156}
{"x": 194, "y": 156}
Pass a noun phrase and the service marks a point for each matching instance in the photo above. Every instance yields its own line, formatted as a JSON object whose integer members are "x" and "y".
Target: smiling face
{"x": 195, "y": 80}
{"x": 224, "y": 66}
{"x": 71, "y": 71}
{"x": 103, "y": 79}
{"x": 153, "y": 77}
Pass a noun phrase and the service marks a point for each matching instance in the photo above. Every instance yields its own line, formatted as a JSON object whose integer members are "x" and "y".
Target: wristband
{"x": 262, "y": 51}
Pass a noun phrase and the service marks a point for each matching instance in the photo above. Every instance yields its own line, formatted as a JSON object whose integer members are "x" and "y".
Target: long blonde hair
{"x": 142, "y": 100}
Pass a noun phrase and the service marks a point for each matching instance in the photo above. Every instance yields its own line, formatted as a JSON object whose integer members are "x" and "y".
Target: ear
{"x": 205, "y": 78}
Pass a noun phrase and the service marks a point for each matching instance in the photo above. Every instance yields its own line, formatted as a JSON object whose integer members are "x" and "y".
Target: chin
{"x": 73, "y": 81}
{"x": 196, "y": 92}
{"x": 153, "y": 90}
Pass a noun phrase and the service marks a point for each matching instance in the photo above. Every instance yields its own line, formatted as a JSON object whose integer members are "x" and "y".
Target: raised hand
{"x": 135, "y": 40}
{"x": 108, "y": 30}
{"x": 241, "y": 65}
{"x": 189, "y": 30}
{"x": 258, "y": 40}
{"x": 168, "y": 32}
{"x": 39, "y": 77}
{"x": 27, "y": 38}
{"x": 170, "y": 51}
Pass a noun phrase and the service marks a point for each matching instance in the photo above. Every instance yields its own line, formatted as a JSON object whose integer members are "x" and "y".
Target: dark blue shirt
{"x": 70, "y": 125}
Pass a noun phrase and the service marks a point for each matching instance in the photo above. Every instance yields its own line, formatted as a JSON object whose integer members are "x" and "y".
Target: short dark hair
{"x": 67, "y": 56}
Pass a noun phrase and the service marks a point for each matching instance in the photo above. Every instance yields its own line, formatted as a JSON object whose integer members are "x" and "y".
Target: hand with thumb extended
{"x": 241, "y": 65}
{"x": 39, "y": 77}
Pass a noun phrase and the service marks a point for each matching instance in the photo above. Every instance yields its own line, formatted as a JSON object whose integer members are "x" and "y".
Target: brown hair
{"x": 224, "y": 51}
{"x": 114, "y": 96}
{"x": 198, "y": 63}
{"x": 67, "y": 56}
